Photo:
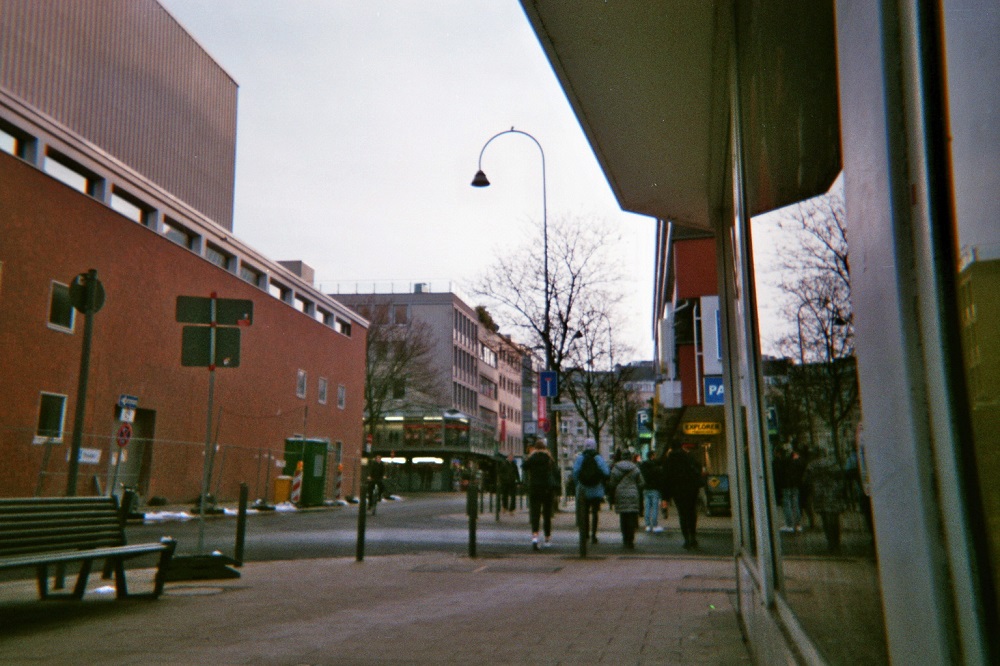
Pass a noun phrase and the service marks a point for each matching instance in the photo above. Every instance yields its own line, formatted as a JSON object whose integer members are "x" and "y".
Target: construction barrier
{"x": 296, "y": 494}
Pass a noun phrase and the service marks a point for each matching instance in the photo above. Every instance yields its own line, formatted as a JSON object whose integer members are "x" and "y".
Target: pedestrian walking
{"x": 540, "y": 468}
{"x": 652, "y": 491}
{"x": 684, "y": 479}
{"x": 625, "y": 485}
{"x": 590, "y": 471}
{"x": 826, "y": 479}
{"x": 376, "y": 483}
{"x": 507, "y": 476}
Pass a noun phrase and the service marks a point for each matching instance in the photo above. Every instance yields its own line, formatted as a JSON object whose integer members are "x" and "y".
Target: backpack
{"x": 590, "y": 471}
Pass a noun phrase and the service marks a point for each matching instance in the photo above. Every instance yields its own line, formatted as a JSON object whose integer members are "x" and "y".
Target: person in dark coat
{"x": 539, "y": 468}
{"x": 625, "y": 485}
{"x": 507, "y": 478}
{"x": 684, "y": 479}
{"x": 590, "y": 497}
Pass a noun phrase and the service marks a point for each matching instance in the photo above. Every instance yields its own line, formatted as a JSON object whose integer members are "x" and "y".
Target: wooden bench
{"x": 41, "y": 532}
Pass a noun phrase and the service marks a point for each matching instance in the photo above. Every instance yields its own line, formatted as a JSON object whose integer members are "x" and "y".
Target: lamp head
{"x": 480, "y": 180}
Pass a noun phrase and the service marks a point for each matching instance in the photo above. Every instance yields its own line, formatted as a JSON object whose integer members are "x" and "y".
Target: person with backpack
{"x": 684, "y": 479}
{"x": 589, "y": 472}
{"x": 540, "y": 468}
{"x": 625, "y": 485}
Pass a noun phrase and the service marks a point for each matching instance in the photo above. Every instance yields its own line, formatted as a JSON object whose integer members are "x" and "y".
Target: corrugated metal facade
{"x": 124, "y": 75}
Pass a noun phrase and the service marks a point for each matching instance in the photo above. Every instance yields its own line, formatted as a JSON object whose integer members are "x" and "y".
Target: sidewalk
{"x": 422, "y": 609}
{"x": 537, "y": 608}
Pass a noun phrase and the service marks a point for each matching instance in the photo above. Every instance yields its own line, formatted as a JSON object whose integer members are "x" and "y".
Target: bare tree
{"x": 594, "y": 384}
{"x": 582, "y": 280}
{"x": 399, "y": 368}
{"x": 818, "y": 290}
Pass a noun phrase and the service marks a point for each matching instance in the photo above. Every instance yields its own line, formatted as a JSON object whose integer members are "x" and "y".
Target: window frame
{"x": 41, "y": 436}
{"x": 57, "y": 326}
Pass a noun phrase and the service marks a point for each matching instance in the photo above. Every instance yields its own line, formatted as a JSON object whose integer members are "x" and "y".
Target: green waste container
{"x": 313, "y": 454}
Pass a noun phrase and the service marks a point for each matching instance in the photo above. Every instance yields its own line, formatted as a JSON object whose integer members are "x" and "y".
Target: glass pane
{"x": 822, "y": 527}
{"x": 60, "y": 310}
{"x": 974, "y": 113}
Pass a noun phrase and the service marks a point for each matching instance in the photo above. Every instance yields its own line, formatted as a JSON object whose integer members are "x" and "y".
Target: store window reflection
{"x": 822, "y": 528}
{"x": 974, "y": 130}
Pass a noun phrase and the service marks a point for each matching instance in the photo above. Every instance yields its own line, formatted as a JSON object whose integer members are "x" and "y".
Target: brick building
{"x": 134, "y": 179}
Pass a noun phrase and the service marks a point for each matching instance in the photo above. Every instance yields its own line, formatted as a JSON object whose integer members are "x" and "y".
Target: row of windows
{"x": 465, "y": 364}
{"x": 487, "y": 355}
{"x": 510, "y": 385}
{"x": 68, "y": 171}
{"x": 322, "y": 388}
{"x": 466, "y": 330}
{"x": 464, "y": 398}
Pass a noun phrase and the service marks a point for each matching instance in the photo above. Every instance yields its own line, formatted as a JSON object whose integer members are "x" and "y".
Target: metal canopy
{"x": 649, "y": 81}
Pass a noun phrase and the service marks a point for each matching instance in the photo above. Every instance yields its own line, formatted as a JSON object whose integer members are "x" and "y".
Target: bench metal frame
{"x": 42, "y": 532}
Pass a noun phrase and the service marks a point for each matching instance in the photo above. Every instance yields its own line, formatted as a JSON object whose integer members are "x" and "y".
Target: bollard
{"x": 472, "y": 509}
{"x": 359, "y": 553}
{"x": 241, "y": 524}
{"x": 582, "y": 521}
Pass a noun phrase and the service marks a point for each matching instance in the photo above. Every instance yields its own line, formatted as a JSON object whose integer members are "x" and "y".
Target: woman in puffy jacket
{"x": 625, "y": 486}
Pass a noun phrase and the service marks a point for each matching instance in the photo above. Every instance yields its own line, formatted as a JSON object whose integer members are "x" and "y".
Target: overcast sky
{"x": 360, "y": 126}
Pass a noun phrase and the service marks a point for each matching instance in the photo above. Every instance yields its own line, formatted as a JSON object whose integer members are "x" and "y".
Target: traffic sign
{"x": 86, "y": 293}
{"x": 228, "y": 311}
{"x": 715, "y": 392}
{"x": 548, "y": 384}
{"x": 196, "y": 344}
{"x": 126, "y": 401}
{"x": 124, "y": 435}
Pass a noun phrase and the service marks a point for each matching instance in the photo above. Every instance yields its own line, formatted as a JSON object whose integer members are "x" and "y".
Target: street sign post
{"x": 715, "y": 392}
{"x": 86, "y": 294}
{"x": 212, "y": 341}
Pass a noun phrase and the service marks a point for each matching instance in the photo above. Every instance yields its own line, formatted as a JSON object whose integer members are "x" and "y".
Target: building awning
{"x": 649, "y": 81}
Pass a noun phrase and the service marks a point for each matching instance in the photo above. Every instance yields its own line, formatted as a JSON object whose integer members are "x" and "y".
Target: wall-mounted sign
{"x": 702, "y": 428}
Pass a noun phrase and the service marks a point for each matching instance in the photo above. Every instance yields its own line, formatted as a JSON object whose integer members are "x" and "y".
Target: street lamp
{"x": 480, "y": 180}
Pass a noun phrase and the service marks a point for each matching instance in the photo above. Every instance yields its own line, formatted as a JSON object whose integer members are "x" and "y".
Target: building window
{"x": 72, "y": 174}
{"x": 399, "y": 315}
{"x": 178, "y": 234}
{"x": 130, "y": 206}
{"x": 341, "y": 397}
{"x": 300, "y": 384}
{"x": 9, "y": 143}
{"x": 51, "y": 417}
{"x": 343, "y": 326}
{"x": 218, "y": 256}
{"x": 279, "y": 291}
{"x": 61, "y": 313}
{"x": 251, "y": 275}
{"x": 321, "y": 391}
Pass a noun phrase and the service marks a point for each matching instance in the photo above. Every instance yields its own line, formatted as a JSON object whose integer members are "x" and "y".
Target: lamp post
{"x": 802, "y": 370}
{"x": 480, "y": 180}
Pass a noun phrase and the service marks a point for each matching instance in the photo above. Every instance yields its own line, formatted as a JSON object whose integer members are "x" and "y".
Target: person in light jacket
{"x": 625, "y": 486}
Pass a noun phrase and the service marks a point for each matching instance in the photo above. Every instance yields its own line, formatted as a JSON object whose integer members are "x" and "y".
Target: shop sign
{"x": 702, "y": 428}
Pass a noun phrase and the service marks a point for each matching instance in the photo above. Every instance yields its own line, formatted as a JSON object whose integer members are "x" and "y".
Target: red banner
{"x": 543, "y": 414}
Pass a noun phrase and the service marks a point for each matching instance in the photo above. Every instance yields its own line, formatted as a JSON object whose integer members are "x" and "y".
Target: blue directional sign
{"x": 548, "y": 384}
{"x": 715, "y": 393}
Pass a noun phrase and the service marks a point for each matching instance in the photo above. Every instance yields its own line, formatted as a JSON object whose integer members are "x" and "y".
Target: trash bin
{"x": 282, "y": 489}
{"x": 313, "y": 454}
{"x": 717, "y": 495}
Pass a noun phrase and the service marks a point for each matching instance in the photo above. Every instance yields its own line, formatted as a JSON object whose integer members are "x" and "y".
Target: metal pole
{"x": 359, "y": 552}
{"x": 81, "y": 389}
{"x": 472, "y": 510}
{"x": 207, "y": 467}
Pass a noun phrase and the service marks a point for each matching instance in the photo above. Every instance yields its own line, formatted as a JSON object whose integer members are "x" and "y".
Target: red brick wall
{"x": 48, "y": 231}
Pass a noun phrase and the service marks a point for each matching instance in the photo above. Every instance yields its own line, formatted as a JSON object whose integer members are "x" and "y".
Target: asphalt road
{"x": 417, "y": 523}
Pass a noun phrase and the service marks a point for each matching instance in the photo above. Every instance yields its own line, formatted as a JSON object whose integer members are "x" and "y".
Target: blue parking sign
{"x": 715, "y": 393}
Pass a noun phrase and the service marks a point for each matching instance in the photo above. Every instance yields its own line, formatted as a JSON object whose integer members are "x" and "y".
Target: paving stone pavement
{"x": 433, "y": 608}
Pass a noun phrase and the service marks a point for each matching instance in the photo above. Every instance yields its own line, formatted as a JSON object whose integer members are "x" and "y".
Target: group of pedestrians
{"x": 630, "y": 488}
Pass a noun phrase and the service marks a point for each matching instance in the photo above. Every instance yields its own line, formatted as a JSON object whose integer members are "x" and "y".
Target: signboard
{"x": 772, "y": 421}
{"x": 124, "y": 435}
{"x": 644, "y": 422}
{"x": 548, "y": 384}
{"x": 196, "y": 345}
{"x": 702, "y": 428}
{"x": 127, "y": 415}
{"x": 715, "y": 392}
{"x": 128, "y": 401}
{"x": 228, "y": 311}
